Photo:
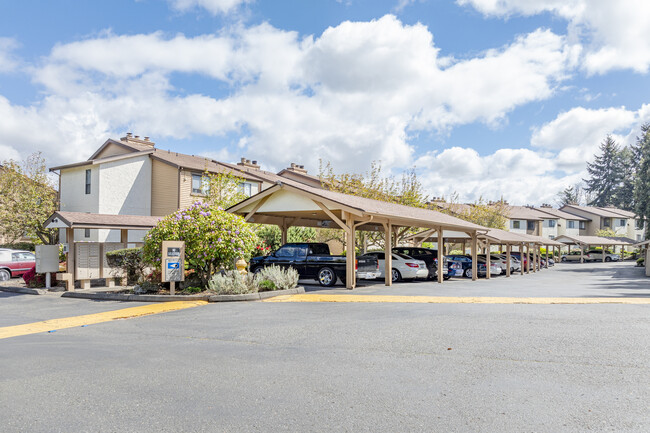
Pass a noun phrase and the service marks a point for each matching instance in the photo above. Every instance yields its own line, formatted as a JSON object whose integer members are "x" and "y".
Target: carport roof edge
{"x": 363, "y": 206}
{"x": 83, "y": 220}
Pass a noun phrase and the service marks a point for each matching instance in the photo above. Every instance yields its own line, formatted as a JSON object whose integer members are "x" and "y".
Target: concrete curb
{"x": 255, "y": 296}
{"x": 168, "y": 298}
{"x": 24, "y": 290}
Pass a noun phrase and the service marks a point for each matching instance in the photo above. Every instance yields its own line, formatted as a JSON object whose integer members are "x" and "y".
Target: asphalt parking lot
{"x": 377, "y": 367}
{"x": 615, "y": 279}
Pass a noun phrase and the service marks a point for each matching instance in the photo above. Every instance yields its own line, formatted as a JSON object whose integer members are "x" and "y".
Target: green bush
{"x": 233, "y": 283}
{"x": 266, "y": 286}
{"x": 130, "y": 261}
{"x": 281, "y": 278}
{"x": 214, "y": 239}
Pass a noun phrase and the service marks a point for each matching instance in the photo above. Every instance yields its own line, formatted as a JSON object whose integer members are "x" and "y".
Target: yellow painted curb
{"x": 90, "y": 319}
{"x": 453, "y": 299}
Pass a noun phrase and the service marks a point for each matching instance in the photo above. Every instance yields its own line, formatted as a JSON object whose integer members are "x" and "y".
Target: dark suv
{"x": 428, "y": 256}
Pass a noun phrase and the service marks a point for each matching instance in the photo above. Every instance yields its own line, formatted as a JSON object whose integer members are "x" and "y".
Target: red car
{"x": 14, "y": 263}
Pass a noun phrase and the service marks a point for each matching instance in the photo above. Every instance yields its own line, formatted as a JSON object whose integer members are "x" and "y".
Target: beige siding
{"x": 164, "y": 189}
{"x": 113, "y": 150}
{"x": 186, "y": 196}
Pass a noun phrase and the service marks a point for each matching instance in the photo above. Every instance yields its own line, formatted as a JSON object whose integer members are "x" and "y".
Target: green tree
{"x": 642, "y": 181}
{"x": 223, "y": 189}
{"x": 605, "y": 174}
{"x": 377, "y": 185}
{"x": 569, "y": 195}
{"x": 271, "y": 235}
{"x": 624, "y": 196}
{"x": 214, "y": 239}
{"x": 27, "y": 199}
{"x": 606, "y": 233}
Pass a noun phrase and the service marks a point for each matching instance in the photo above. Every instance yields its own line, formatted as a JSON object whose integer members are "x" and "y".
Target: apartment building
{"x": 623, "y": 223}
{"x": 130, "y": 176}
{"x": 557, "y": 223}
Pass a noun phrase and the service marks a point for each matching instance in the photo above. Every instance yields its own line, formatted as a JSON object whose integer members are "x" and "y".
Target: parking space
{"x": 616, "y": 279}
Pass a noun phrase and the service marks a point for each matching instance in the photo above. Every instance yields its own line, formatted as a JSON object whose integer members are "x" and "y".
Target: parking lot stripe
{"x": 90, "y": 319}
{"x": 453, "y": 299}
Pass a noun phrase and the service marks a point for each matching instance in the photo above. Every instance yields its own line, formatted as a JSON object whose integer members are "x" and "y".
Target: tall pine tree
{"x": 624, "y": 195}
{"x": 604, "y": 174}
{"x": 642, "y": 183}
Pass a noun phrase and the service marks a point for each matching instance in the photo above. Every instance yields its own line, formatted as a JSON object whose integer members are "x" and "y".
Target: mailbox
{"x": 47, "y": 258}
{"x": 173, "y": 261}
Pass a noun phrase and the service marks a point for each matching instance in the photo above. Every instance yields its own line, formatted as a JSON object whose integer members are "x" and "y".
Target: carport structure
{"x": 546, "y": 243}
{"x": 491, "y": 236}
{"x": 290, "y": 203}
{"x": 588, "y": 241}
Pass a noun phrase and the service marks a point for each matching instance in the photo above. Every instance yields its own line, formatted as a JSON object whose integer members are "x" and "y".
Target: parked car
{"x": 522, "y": 260}
{"x": 14, "y": 263}
{"x": 454, "y": 269}
{"x": 515, "y": 263}
{"x": 597, "y": 256}
{"x": 313, "y": 261}
{"x": 498, "y": 260}
{"x": 429, "y": 256}
{"x": 404, "y": 267}
{"x": 466, "y": 262}
{"x": 574, "y": 256}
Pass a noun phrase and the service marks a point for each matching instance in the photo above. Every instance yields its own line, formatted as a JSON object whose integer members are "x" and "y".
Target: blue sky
{"x": 486, "y": 98}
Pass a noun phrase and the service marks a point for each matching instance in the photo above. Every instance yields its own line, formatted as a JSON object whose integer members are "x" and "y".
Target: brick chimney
{"x": 130, "y": 138}
{"x": 297, "y": 168}
{"x": 249, "y": 164}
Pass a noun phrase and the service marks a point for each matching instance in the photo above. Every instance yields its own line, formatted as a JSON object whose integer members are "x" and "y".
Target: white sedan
{"x": 404, "y": 267}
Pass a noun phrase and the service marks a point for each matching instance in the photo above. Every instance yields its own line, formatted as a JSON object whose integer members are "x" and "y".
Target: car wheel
{"x": 326, "y": 277}
{"x": 395, "y": 275}
{"x": 468, "y": 273}
{"x": 564, "y": 259}
{"x": 608, "y": 259}
{"x": 446, "y": 277}
{"x": 5, "y": 275}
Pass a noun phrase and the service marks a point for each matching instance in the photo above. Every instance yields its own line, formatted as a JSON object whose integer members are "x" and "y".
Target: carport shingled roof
{"x": 369, "y": 206}
{"x": 593, "y": 240}
{"x": 93, "y": 220}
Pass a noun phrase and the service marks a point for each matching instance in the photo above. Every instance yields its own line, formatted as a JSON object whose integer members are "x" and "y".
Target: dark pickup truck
{"x": 313, "y": 261}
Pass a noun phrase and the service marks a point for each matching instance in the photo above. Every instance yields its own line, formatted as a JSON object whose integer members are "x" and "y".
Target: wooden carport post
{"x": 582, "y": 258}
{"x": 388, "y": 256}
{"x": 283, "y": 230}
{"x": 440, "y": 260}
{"x": 69, "y": 267}
{"x": 603, "y": 254}
{"x": 528, "y": 258}
{"x": 534, "y": 259}
{"x": 488, "y": 260}
{"x": 124, "y": 237}
{"x": 521, "y": 257}
{"x": 508, "y": 248}
{"x": 350, "y": 255}
{"x": 546, "y": 256}
{"x": 474, "y": 257}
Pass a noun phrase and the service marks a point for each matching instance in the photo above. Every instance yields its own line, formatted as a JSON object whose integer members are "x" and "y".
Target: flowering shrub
{"x": 214, "y": 239}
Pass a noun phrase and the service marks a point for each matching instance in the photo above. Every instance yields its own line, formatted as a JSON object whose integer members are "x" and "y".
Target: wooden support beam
{"x": 488, "y": 261}
{"x": 350, "y": 257}
{"x": 528, "y": 258}
{"x": 440, "y": 259}
{"x": 582, "y": 257}
{"x": 546, "y": 256}
{"x": 124, "y": 236}
{"x": 388, "y": 257}
{"x": 474, "y": 257}
{"x": 603, "y": 254}
{"x": 521, "y": 258}
{"x": 330, "y": 214}
{"x": 257, "y": 207}
{"x": 508, "y": 258}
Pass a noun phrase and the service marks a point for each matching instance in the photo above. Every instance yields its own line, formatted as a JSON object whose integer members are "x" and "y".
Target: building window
{"x": 531, "y": 226}
{"x": 516, "y": 225}
{"x": 87, "y": 233}
{"x": 551, "y": 237}
{"x": 88, "y": 181}
{"x": 200, "y": 184}
{"x": 606, "y": 222}
{"x": 621, "y": 223}
{"x": 583, "y": 225}
{"x": 245, "y": 188}
{"x": 638, "y": 237}
{"x": 551, "y": 223}
{"x": 570, "y": 224}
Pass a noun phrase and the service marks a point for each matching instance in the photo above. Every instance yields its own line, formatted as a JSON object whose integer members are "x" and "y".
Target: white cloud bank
{"x": 615, "y": 34}
{"x": 349, "y": 96}
{"x": 215, "y": 7}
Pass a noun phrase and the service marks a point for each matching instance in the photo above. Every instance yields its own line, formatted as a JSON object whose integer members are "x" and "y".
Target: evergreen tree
{"x": 642, "y": 183}
{"x": 604, "y": 174}
{"x": 624, "y": 196}
{"x": 569, "y": 195}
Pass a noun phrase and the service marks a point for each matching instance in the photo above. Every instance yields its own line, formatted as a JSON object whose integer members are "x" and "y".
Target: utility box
{"x": 47, "y": 258}
{"x": 173, "y": 261}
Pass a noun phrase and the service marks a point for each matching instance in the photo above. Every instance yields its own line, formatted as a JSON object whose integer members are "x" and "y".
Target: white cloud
{"x": 215, "y": 7}
{"x": 576, "y": 134}
{"x": 616, "y": 34}
{"x": 8, "y": 61}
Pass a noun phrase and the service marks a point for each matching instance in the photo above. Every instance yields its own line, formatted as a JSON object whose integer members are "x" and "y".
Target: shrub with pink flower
{"x": 214, "y": 238}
